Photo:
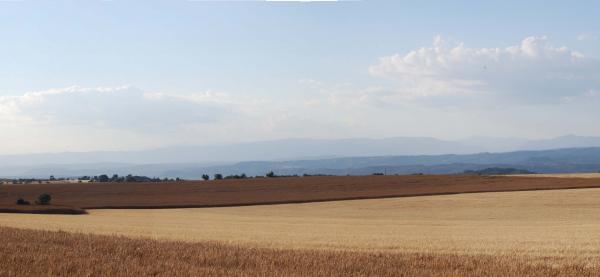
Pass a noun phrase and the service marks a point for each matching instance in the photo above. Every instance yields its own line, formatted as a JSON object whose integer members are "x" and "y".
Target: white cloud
{"x": 532, "y": 71}
{"x": 118, "y": 118}
{"x": 587, "y": 36}
{"x": 118, "y": 107}
{"x": 115, "y": 118}
{"x": 445, "y": 90}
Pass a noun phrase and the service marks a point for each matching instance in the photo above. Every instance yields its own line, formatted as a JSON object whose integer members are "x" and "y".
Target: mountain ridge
{"x": 567, "y": 160}
{"x": 297, "y": 149}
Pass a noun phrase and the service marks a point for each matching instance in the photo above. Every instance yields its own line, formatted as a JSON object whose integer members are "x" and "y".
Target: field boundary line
{"x": 225, "y": 205}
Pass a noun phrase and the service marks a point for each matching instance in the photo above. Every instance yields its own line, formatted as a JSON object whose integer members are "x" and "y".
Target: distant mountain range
{"x": 298, "y": 149}
{"x": 542, "y": 161}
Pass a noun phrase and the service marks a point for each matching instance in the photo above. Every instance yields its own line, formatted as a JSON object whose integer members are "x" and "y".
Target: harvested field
{"x": 553, "y": 223}
{"x": 274, "y": 190}
{"x": 41, "y": 253}
{"x": 40, "y": 209}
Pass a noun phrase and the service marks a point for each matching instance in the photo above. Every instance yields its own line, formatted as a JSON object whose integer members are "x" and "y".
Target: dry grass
{"x": 556, "y": 223}
{"x": 42, "y": 253}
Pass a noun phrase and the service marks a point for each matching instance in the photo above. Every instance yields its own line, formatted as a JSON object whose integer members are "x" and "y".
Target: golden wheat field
{"x": 557, "y": 223}
{"x": 44, "y": 253}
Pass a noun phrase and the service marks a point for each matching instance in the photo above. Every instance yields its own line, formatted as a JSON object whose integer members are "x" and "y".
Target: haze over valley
{"x": 310, "y": 156}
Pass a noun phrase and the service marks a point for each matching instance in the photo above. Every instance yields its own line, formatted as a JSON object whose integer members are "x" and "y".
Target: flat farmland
{"x": 275, "y": 190}
{"x": 551, "y": 223}
{"x": 452, "y": 226}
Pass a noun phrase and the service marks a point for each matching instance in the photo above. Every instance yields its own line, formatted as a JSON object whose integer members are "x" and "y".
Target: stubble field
{"x": 258, "y": 191}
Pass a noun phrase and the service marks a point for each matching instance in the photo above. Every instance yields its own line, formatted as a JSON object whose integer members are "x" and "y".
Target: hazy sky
{"x": 90, "y": 75}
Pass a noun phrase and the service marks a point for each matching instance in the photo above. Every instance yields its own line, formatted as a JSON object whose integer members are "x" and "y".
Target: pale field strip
{"x": 560, "y": 175}
{"x": 554, "y": 223}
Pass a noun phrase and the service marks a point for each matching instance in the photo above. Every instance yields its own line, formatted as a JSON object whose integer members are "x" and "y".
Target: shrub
{"x": 22, "y": 201}
{"x": 218, "y": 176}
{"x": 205, "y": 177}
{"x": 130, "y": 178}
{"x": 271, "y": 174}
{"x": 44, "y": 199}
{"x": 243, "y": 176}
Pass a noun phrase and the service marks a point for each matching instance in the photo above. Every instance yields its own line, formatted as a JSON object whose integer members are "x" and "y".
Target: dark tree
{"x": 205, "y": 177}
{"x": 271, "y": 174}
{"x": 103, "y": 178}
{"x": 44, "y": 199}
{"x": 218, "y": 176}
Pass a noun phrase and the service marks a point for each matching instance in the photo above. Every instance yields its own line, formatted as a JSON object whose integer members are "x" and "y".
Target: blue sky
{"x": 213, "y": 72}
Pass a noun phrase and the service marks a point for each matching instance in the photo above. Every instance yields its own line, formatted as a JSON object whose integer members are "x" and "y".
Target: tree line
{"x": 115, "y": 178}
{"x": 130, "y": 178}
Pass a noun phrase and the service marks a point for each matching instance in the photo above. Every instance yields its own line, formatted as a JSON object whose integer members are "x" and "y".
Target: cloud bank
{"x": 123, "y": 107}
{"x": 531, "y": 71}
{"x": 447, "y": 90}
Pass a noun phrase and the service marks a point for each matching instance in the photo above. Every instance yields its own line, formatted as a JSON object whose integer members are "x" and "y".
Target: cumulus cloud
{"x": 532, "y": 70}
{"x": 446, "y": 90}
{"x": 116, "y": 107}
{"x": 587, "y": 36}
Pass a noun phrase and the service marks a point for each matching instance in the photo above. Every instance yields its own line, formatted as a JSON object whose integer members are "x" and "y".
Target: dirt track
{"x": 274, "y": 190}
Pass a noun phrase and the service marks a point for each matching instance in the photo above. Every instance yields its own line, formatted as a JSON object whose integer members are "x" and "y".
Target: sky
{"x": 123, "y": 75}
